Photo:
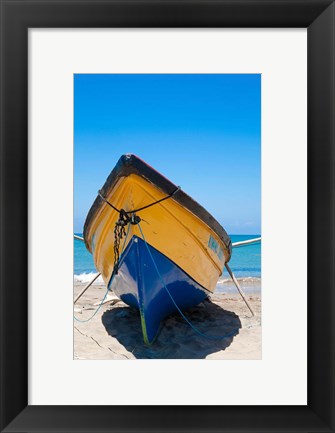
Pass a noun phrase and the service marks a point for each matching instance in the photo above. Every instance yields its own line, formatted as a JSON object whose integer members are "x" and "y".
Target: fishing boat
{"x": 156, "y": 248}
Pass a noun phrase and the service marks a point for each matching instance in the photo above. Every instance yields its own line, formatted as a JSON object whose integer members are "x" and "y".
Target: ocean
{"x": 245, "y": 264}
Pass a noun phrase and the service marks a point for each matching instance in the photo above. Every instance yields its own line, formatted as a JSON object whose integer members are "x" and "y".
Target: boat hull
{"x": 164, "y": 226}
{"x": 167, "y": 226}
{"x": 155, "y": 285}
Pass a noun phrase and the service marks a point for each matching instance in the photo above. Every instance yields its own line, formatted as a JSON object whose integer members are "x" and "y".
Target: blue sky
{"x": 203, "y": 132}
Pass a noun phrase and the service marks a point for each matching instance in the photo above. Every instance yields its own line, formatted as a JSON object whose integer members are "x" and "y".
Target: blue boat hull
{"x": 139, "y": 285}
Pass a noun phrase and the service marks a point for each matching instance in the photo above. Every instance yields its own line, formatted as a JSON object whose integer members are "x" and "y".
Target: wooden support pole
{"x": 239, "y": 288}
{"x": 85, "y": 288}
{"x": 247, "y": 242}
{"x": 91, "y": 282}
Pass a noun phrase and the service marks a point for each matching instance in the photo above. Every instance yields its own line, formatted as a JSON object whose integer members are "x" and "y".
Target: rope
{"x": 124, "y": 219}
{"x": 119, "y": 232}
{"x": 211, "y": 337}
{"x": 95, "y": 312}
{"x": 110, "y": 282}
{"x": 105, "y": 200}
{"x": 141, "y": 208}
{"x": 158, "y": 201}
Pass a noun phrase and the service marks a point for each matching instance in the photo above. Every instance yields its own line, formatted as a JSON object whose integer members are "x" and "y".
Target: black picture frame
{"x": 17, "y": 16}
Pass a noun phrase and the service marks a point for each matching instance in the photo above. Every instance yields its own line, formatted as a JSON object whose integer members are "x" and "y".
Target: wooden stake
{"x": 239, "y": 288}
{"x": 85, "y": 288}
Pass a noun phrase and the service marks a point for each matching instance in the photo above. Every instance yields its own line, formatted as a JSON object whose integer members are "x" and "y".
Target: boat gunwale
{"x": 131, "y": 164}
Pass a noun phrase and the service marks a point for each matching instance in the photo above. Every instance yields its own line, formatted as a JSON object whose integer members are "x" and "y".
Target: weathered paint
{"x": 168, "y": 227}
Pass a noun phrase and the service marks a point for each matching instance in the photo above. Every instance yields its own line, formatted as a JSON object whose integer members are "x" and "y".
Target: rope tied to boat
{"x": 107, "y": 290}
{"x": 125, "y": 218}
{"x": 195, "y": 329}
{"x": 141, "y": 208}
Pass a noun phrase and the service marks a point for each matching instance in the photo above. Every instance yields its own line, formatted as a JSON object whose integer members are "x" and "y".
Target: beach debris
{"x": 109, "y": 298}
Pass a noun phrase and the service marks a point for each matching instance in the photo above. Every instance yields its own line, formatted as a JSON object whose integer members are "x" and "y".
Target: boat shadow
{"x": 176, "y": 339}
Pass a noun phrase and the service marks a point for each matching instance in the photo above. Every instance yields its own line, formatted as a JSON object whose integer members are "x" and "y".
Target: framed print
{"x": 228, "y": 120}
{"x": 43, "y": 386}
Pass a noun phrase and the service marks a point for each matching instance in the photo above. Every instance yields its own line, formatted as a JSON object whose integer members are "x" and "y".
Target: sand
{"x": 115, "y": 331}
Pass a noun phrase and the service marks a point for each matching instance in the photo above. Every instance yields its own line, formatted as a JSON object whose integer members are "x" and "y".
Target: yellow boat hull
{"x": 177, "y": 228}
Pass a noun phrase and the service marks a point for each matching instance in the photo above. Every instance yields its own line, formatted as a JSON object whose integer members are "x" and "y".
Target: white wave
{"x": 87, "y": 277}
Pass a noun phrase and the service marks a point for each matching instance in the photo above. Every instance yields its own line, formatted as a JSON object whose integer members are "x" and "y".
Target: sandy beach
{"x": 115, "y": 331}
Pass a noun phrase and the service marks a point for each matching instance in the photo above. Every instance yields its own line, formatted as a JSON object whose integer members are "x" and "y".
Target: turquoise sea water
{"x": 245, "y": 263}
